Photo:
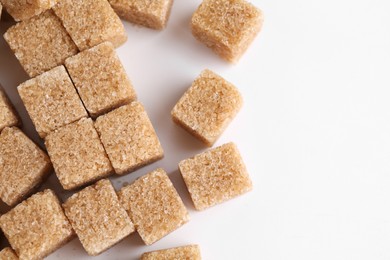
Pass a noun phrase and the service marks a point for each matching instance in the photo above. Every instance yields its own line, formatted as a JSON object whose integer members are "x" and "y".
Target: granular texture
{"x": 37, "y": 226}
{"x": 90, "y": 22}
{"x": 152, "y": 14}
{"x": 77, "y": 154}
{"x": 8, "y": 254}
{"x": 23, "y": 165}
{"x": 25, "y": 9}
{"x": 8, "y": 116}
{"x": 129, "y": 138}
{"x": 40, "y": 43}
{"x": 154, "y": 206}
{"x": 207, "y": 107}
{"x": 190, "y": 252}
{"x": 51, "y": 100}
{"x": 100, "y": 79}
{"x": 215, "y": 176}
{"x": 97, "y": 217}
{"x": 228, "y": 27}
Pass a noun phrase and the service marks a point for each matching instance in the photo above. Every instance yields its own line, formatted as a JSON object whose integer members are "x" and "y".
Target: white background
{"x": 314, "y": 131}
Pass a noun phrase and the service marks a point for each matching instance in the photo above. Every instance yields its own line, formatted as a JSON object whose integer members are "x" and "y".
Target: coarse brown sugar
{"x": 207, "y": 107}
{"x": 215, "y": 176}
{"x": 129, "y": 138}
{"x": 22, "y": 10}
{"x": 77, "y": 154}
{"x": 154, "y": 206}
{"x": 51, "y": 100}
{"x": 97, "y": 217}
{"x": 100, "y": 79}
{"x": 190, "y": 252}
{"x": 228, "y": 27}
{"x": 23, "y": 165}
{"x": 152, "y": 14}
{"x": 8, "y": 116}
{"x": 37, "y": 226}
{"x": 40, "y": 43}
{"x": 90, "y": 22}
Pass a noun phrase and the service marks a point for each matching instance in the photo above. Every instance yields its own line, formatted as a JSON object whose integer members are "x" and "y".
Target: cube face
{"x": 77, "y": 154}
{"x": 22, "y": 10}
{"x": 215, "y": 176}
{"x": 129, "y": 138}
{"x": 40, "y": 43}
{"x": 152, "y": 14}
{"x": 8, "y": 116}
{"x": 51, "y": 100}
{"x": 90, "y": 22}
{"x": 228, "y": 27}
{"x": 97, "y": 217}
{"x": 207, "y": 107}
{"x": 8, "y": 254}
{"x": 37, "y": 226}
{"x": 191, "y": 252}
{"x": 23, "y": 165}
{"x": 100, "y": 79}
{"x": 154, "y": 206}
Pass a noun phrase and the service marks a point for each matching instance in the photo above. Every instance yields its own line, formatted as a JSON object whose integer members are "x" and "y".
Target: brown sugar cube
{"x": 90, "y": 22}
{"x": 129, "y": 138}
{"x": 100, "y": 79}
{"x": 8, "y": 116}
{"x": 8, "y": 254}
{"x": 51, "y": 100}
{"x": 152, "y": 14}
{"x": 36, "y": 227}
{"x": 207, "y": 107}
{"x": 40, "y": 43}
{"x": 154, "y": 206}
{"x": 77, "y": 154}
{"x": 97, "y": 217}
{"x": 215, "y": 176}
{"x": 22, "y": 10}
{"x": 23, "y": 165}
{"x": 228, "y": 27}
{"x": 190, "y": 252}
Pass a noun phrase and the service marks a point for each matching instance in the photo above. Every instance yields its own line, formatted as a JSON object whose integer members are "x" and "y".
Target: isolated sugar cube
{"x": 207, "y": 107}
{"x": 37, "y": 226}
{"x": 228, "y": 27}
{"x": 154, "y": 206}
{"x": 23, "y": 165}
{"x": 97, "y": 217}
{"x": 100, "y": 79}
{"x": 40, "y": 43}
{"x": 215, "y": 176}
{"x": 77, "y": 154}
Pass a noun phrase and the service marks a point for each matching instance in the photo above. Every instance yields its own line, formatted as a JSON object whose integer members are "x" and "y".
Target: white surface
{"x": 314, "y": 131}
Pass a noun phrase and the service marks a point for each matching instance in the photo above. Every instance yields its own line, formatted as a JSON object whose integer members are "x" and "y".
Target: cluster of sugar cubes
{"x": 84, "y": 106}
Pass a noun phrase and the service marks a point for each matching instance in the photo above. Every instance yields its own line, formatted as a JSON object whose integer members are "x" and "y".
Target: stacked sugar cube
{"x": 83, "y": 105}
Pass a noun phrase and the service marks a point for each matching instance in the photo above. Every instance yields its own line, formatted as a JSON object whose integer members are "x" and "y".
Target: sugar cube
{"x": 40, "y": 43}
{"x": 215, "y": 176}
{"x": 228, "y": 27}
{"x": 154, "y": 206}
{"x": 207, "y": 107}
{"x": 77, "y": 154}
